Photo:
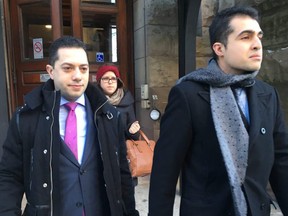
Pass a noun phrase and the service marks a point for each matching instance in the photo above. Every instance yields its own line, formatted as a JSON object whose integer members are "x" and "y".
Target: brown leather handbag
{"x": 140, "y": 155}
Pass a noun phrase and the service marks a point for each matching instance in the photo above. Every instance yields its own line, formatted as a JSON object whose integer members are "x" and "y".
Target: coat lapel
{"x": 205, "y": 94}
{"x": 90, "y": 135}
{"x": 66, "y": 152}
{"x": 258, "y": 102}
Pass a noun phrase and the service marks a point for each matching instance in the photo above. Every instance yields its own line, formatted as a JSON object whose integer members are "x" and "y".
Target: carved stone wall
{"x": 156, "y": 48}
{"x": 274, "y": 19}
{"x": 274, "y": 70}
{"x": 156, "y": 56}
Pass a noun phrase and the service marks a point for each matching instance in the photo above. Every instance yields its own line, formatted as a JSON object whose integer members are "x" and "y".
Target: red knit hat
{"x": 105, "y": 68}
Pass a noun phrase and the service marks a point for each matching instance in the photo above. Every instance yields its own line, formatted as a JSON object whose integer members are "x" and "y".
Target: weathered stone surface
{"x": 203, "y": 48}
{"x": 163, "y": 71}
{"x": 225, "y": 4}
{"x": 202, "y": 62}
{"x": 274, "y": 70}
{"x": 275, "y": 66}
{"x": 157, "y": 63}
{"x": 274, "y": 19}
{"x": 208, "y": 10}
{"x": 162, "y": 95}
{"x": 162, "y": 40}
{"x": 249, "y": 2}
{"x": 161, "y": 12}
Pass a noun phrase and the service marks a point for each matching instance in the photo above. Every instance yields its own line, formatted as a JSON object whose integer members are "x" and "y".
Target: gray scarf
{"x": 231, "y": 132}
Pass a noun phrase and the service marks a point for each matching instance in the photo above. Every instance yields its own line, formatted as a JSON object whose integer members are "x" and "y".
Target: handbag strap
{"x": 146, "y": 139}
{"x": 142, "y": 134}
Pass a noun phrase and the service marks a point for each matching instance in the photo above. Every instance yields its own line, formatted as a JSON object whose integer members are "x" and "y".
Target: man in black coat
{"x": 37, "y": 160}
{"x": 224, "y": 130}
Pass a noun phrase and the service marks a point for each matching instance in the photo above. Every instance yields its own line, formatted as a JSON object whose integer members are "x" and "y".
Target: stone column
{"x": 156, "y": 55}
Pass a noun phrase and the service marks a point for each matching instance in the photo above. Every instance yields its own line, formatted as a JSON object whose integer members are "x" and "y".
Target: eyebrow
{"x": 251, "y": 32}
{"x": 72, "y": 64}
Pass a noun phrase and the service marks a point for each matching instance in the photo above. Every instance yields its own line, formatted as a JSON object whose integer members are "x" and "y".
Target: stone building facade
{"x": 156, "y": 48}
{"x": 156, "y": 55}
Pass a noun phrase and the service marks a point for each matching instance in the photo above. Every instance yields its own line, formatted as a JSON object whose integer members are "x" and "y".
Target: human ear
{"x": 218, "y": 49}
{"x": 49, "y": 69}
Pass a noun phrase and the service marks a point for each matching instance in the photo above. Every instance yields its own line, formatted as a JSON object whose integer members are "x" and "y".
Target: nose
{"x": 257, "y": 43}
{"x": 77, "y": 74}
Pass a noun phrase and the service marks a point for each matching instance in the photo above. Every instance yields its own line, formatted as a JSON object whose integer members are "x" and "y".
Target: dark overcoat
{"x": 31, "y": 153}
{"x": 188, "y": 142}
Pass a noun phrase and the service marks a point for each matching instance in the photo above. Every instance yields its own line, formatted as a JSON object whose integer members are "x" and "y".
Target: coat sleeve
{"x": 11, "y": 173}
{"x": 279, "y": 174}
{"x": 126, "y": 179}
{"x": 169, "y": 154}
{"x": 131, "y": 118}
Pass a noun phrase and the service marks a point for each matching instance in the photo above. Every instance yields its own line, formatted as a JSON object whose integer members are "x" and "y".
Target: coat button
{"x": 78, "y": 204}
{"x": 47, "y": 117}
{"x": 82, "y": 172}
{"x": 45, "y": 185}
{"x": 263, "y": 130}
{"x": 263, "y": 206}
{"x": 45, "y": 151}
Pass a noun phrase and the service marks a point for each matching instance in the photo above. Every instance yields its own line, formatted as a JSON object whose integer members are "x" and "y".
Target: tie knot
{"x": 71, "y": 105}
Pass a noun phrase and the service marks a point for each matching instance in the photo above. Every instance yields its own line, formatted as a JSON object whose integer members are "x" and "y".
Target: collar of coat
{"x": 47, "y": 95}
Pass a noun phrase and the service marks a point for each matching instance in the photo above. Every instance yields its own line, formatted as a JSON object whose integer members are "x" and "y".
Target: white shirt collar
{"x": 80, "y": 100}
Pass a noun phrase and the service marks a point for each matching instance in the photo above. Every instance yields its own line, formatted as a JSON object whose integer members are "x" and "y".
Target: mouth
{"x": 256, "y": 57}
{"x": 76, "y": 86}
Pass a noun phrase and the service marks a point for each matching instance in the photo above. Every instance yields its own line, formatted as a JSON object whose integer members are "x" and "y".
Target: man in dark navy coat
{"x": 224, "y": 130}
{"x": 37, "y": 161}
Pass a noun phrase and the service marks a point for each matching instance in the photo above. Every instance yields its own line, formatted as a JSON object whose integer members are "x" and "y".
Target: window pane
{"x": 37, "y": 30}
{"x": 67, "y": 18}
{"x": 100, "y": 35}
{"x": 100, "y": 1}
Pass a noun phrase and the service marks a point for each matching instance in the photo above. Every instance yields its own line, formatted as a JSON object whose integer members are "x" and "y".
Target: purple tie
{"x": 71, "y": 128}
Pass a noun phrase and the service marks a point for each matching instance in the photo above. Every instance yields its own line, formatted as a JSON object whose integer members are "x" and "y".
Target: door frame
{"x": 124, "y": 11}
{"x": 188, "y": 17}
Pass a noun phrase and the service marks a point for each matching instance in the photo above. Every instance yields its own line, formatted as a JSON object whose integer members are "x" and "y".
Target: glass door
{"x": 102, "y": 24}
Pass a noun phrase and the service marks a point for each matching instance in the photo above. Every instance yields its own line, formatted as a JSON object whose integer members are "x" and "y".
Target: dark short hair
{"x": 64, "y": 42}
{"x": 220, "y": 28}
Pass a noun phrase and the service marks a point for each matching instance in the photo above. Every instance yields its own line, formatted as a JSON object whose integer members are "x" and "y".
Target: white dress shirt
{"x": 80, "y": 112}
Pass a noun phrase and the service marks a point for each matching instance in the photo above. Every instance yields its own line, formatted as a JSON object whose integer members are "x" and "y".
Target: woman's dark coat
{"x": 30, "y": 150}
{"x": 126, "y": 108}
{"x": 188, "y": 142}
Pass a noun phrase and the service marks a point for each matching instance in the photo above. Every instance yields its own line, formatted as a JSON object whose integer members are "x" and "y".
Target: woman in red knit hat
{"x": 108, "y": 78}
